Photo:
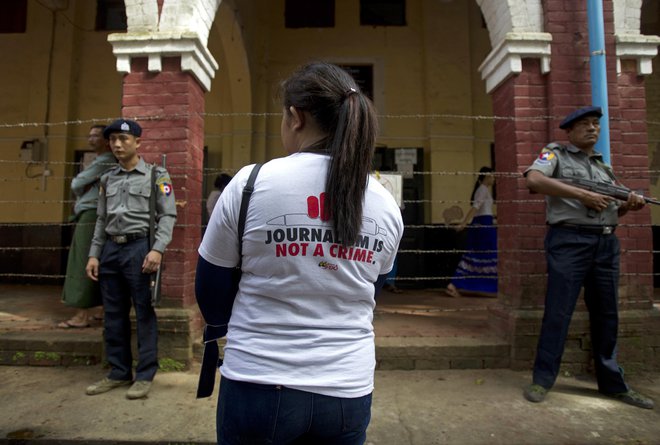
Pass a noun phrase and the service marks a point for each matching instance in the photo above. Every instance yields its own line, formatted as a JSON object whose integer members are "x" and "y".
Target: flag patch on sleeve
{"x": 165, "y": 188}
{"x": 546, "y": 155}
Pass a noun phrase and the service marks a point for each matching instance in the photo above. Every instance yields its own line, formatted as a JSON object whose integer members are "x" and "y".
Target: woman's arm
{"x": 215, "y": 291}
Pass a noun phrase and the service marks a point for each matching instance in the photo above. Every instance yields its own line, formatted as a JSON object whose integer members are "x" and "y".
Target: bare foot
{"x": 97, "y": 315}
{"x": 73, "y": 323}
{"x": 452, "y": 291}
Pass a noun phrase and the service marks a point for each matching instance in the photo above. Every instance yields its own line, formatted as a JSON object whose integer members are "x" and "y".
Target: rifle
{"x": 154, "y": 278}
{"x": 615, "y": 191}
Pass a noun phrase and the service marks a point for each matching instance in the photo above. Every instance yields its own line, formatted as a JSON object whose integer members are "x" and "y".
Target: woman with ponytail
{"x": 320, "y": 237}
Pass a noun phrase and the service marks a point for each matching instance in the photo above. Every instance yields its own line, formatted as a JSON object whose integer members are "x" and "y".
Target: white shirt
{"x": 303, "y": 314}
{"x": 211, "y": 201}
{"x": 483, "y": 201}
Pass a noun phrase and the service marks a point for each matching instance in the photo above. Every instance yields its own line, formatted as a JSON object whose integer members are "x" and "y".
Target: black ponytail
{"x": 348, "y": 118}
{"x": 480, "y": 179}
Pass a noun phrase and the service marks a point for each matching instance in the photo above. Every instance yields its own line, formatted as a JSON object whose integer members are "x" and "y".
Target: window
{"x": 111, "y": 15}
{"x": 13, "y": 18}
{"x": 383, "y": 12}
{"x": 309, "y": 13}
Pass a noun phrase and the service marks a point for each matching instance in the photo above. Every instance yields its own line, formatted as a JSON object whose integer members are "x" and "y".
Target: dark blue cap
{"x": 123, "y": 126}
{"x": 579, "y": 114}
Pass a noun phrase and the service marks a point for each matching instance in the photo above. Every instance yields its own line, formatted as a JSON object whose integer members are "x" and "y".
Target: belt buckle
{"x": 120, "y": 239}
{"x": 607, "y": 230}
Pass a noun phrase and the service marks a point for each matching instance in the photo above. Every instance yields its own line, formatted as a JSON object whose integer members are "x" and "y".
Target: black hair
{"x": 480, "y": 179}
{"x": 221, "y": 181}
{"x": 348, "y": 118}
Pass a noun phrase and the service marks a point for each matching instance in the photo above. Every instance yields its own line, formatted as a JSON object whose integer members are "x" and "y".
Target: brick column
{"x": 168, "y": 105}
{"x": 631, "y": 163}
{"x": 520, "y": 215}
{"x": 522, "y": 100}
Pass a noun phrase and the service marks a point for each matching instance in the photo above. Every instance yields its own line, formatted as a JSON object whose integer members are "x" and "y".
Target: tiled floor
{"x": 415, "y": 312}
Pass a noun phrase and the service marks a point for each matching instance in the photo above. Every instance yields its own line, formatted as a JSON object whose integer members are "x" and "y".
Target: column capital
{"x": 506, "y": 57}
{"x": 195, "y": 56}
{"x": 637, "y": 47}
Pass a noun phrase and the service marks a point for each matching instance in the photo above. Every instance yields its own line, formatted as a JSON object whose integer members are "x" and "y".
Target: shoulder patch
{"x": 165, "y": 186}
{"x": 546, "y": 155}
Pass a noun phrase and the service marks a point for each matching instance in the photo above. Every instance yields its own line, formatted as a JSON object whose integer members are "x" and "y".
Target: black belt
{"x": 598, "y": 230}
{"x": 123, "y": 239}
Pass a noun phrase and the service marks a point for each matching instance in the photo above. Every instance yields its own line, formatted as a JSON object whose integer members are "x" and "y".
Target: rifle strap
{"x": 152, "y": 208}
{"x": 211, "y": 357}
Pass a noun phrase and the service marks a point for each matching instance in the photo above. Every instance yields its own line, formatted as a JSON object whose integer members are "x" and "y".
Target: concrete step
{"x": 51, "y": 347}
{"x": 85, "y": 347}
{"x": 435, "y": 353}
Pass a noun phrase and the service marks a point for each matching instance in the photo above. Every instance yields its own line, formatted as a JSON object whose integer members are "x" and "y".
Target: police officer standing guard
{"x": 121, "y": 259}
{"x": 581, "y": 250}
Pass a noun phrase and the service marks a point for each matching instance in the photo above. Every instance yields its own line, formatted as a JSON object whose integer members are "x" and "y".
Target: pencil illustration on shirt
{"x": 316, "y": 216}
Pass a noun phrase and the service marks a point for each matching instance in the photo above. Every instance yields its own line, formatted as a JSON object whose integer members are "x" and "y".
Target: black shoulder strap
{"x": 152, "y": 208}
{"x": 245, "y": 203}
{"x": 607, "y": 169}
{"x": 555, "y": 146}
{"x": 211, "y": 357}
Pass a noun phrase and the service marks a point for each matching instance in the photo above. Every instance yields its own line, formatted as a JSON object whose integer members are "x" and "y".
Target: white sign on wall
{"x": 393, "y": 183}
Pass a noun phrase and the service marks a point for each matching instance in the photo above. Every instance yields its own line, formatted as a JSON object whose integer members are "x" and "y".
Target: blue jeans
{"x": 249, "y": 413}
{"x": 578, "y": 259}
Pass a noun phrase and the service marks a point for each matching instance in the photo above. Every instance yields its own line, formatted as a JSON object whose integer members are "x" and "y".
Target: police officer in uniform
{"x": 581, "y": 250}
{"x": 121, "y": 259}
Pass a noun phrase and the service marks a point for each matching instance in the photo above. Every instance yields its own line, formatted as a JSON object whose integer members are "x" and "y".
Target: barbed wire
{"x": 398, "y": 278}
{"x": 183, "y": 116}
{"x": 178, "y": 172}
{"x": 452, "y": 251}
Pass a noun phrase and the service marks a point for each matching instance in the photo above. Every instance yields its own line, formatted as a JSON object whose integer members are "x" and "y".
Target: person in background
{"x": 477, "y": 270}
{"x": 121, "y": 259}
{"x": 390, "y": 281}
{"x": 582, "y": 250}
{"x": 78, "y": 291}
{"x": 300, "y": 357}
{"x": 219, "y": 185}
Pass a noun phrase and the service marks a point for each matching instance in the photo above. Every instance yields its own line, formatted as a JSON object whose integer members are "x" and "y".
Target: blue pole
{"x": 599, "y": 73}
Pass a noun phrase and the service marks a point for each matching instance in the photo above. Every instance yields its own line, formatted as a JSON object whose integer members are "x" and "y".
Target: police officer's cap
{"x": 123, "y": 126}
{"x": 579, "y": 114}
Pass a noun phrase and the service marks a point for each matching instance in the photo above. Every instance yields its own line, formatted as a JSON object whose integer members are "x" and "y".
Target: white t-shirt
{"x": 483, "y": 201}
{"x": 303, "y": 314}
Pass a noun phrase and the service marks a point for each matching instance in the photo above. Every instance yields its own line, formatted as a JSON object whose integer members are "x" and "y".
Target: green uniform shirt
{"x": 559, "y": 161}
{"x": 124, "y": 206}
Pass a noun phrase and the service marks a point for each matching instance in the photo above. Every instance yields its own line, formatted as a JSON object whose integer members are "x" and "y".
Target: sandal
{"x": 452, "y": 291}
{"x": 69, "y": 324}
{"x": 392, "y": 288}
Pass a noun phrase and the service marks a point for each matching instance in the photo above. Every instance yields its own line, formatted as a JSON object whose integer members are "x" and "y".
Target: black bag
{"x": 211, "y": 358}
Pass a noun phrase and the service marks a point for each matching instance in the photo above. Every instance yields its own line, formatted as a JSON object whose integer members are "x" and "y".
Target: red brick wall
{"x": 168, "y": 106}
{"x": 629, "y": 147}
